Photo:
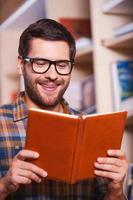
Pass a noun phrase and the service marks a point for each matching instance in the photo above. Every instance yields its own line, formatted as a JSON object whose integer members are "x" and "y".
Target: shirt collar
{"x": 20, "y": 110}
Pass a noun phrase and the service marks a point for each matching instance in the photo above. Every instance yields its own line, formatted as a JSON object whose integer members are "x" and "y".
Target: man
{"x": 46, "y": 58}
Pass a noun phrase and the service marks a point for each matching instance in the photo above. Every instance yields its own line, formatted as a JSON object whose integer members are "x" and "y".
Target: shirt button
{"x": 17, "y": 147}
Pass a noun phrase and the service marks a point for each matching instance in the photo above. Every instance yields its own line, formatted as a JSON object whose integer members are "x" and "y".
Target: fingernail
{"x": 109, "y": 152}
{"x": 45, "y": 174}
{"x": 36, "y": 155}
{"x": 99, "y": 159}
{"x": 96, "y": 172}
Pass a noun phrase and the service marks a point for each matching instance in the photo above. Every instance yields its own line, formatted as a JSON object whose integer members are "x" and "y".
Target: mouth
{"x": 48, "y": 88}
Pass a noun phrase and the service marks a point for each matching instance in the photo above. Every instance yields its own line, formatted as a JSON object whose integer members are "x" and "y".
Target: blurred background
{"x": 102, "y": 80}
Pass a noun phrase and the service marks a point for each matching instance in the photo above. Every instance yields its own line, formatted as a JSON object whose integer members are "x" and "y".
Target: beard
{"x": 46, "y": 101}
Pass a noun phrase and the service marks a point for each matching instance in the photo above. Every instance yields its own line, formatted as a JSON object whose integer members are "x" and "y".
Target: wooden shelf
{"x": 124, "y": 7}
{"x": 13, "y": 76}
{"x": 121, "y": 42}
{"x": 8, "y": 8}
{"x": 84, "y": 55}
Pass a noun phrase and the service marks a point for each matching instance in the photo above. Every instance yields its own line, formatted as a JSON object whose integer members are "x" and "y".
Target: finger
{"x": 31, "y": 167}
{"x": 22, "y": 180}
{"x": 116, "y": 177}
{"x": 111, "y": 175}
{"x": 108, "y": 167}
{"x": 110, "y": 160}
{"x": 25, "y": 154}
{"x": 116, "y": 153}
{"x": 29, "y": 174}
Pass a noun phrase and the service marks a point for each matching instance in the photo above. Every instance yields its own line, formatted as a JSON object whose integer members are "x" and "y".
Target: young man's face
{"x": 46, "y": 90}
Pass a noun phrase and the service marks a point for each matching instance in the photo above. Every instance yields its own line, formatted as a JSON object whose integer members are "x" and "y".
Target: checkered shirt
{"x": 13, "y": 122}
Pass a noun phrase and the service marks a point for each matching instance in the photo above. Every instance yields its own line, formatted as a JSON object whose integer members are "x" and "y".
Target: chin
{"x": 50, "y": 102}
{"x": 47, "y": 105}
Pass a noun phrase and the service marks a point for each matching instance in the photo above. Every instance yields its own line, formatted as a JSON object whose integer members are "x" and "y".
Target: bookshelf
{"x": 78, "y": 10}
{"x": 108, "y": 49}
{"x": 84, "y": 55}
{"x": 122, "y": 45}
{"x": 118, "y": 7}
{"x": 13, "y": 76}
{"x": 121, "y": 42}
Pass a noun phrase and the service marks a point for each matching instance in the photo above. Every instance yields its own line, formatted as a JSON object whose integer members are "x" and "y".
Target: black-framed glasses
{"x": 42, "y": 65}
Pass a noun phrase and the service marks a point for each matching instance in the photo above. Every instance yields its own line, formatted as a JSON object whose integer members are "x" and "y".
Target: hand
{"x": 22, "y": 172}
{"x": 114, "y": 167}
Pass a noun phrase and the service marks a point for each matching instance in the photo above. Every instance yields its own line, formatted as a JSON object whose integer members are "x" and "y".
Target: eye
{"x": 40, "y": 62}
{"x": 63, "y": 64}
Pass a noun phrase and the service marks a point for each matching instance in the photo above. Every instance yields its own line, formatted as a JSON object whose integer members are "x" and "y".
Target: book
{"x": 69, "y": 145}
{"x": 79, "y": 27}
{"x": 83, "y": 43}
{"x": 81, "y": 95}
{"x": 122, "y": 84}
{"x": 123, "y": 29}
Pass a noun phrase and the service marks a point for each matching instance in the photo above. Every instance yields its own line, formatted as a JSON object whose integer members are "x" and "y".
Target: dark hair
{"x": 46, "y": 29}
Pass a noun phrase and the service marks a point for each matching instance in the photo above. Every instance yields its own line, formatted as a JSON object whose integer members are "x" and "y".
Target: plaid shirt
{"x": 13, "y": 122}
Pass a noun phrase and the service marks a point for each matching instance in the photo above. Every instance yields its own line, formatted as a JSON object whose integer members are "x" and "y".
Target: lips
{"x": 49, "y": 87}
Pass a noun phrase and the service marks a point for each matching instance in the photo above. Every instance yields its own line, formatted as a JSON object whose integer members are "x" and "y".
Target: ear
{"x": 20, "y": 65}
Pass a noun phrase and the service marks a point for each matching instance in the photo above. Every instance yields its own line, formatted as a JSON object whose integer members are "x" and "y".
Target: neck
{"x": 30, "y": 104}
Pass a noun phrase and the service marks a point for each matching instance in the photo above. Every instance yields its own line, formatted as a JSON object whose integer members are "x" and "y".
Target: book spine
{"x": 77, "y": 151}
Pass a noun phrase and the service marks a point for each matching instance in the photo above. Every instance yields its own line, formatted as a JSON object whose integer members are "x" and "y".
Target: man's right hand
{"x": 21, "y": 172}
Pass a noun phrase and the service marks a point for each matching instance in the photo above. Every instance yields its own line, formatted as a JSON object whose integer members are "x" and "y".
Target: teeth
{"x": 49, "y": 87}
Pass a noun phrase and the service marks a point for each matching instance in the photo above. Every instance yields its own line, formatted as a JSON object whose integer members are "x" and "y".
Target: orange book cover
{"x": 77, "y": 26}
{"x": 69, "y": 145}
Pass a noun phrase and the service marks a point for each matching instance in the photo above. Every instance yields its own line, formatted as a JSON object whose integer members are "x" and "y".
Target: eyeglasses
{"x": 42, "y": 65}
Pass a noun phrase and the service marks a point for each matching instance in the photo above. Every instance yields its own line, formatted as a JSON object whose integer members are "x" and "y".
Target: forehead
{"x": 49, "y": 49}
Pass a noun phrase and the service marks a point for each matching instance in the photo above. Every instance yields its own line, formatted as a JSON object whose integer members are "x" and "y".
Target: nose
{"x": 51, "y": 73}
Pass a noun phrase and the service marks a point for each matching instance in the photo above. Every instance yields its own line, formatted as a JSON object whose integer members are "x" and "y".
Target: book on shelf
{"x": 129, "y": 187}
{"x": 80, "y": 29}
{"x": 123, "y": 29}
{"x": 69, "y": 145}
{"x": 122, "y": 82}
{"x": 83, "y": 43}
{"x": 81, "y": 95}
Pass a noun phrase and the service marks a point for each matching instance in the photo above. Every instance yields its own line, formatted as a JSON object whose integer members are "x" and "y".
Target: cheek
{"x": 67, "y": 80}
{"x": 29, "y": 78}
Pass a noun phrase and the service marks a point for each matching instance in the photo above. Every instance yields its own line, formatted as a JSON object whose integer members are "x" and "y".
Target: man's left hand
{"x": 114, "y": 167}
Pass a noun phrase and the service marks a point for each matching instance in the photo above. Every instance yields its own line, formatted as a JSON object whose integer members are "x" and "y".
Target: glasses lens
{"x": 40, "y": 66}
{"x": 63, "y": 67}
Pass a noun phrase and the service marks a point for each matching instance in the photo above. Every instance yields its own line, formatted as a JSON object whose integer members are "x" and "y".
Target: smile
{"x": 49, "y": 88}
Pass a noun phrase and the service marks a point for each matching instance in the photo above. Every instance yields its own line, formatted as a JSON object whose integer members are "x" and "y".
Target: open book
{"x": 69, "y": 145}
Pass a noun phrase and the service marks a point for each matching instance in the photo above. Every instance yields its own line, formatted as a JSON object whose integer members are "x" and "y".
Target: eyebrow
{"x": 39, "y": 58}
